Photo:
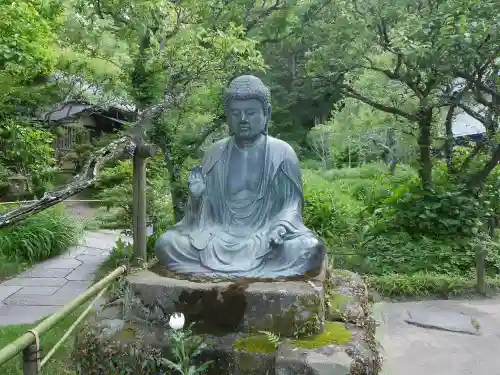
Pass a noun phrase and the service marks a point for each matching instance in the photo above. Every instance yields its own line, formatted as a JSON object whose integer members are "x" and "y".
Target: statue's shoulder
{"x": 281, "y": 147}
{"x": 214, "y": 152}
{"x": 218, "y": 146}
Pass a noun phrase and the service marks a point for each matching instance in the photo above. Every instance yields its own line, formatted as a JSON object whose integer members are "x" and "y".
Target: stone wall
{"x": 129, "y": 333}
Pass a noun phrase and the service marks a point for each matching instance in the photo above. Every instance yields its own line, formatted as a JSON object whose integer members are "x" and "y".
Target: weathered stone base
{"x": 105, "y": 346}
{"x": 287, "y": 308}
{"x": 114, "y": 339}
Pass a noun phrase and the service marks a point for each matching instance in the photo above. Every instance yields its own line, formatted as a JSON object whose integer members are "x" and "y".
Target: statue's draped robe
{"x": 224, "y": 234}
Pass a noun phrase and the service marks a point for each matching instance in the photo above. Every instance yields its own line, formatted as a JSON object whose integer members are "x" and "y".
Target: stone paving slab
{"x": 43, "y": 289}
{"x": 82, "y": 274}
{"x": 60, "y": 297}
{"x": 35, "y": 281}
{"x": 46, "y": 273}
{"x": 412, "y": 350}
{"x": 442, "y": 319}
{"x": 37, "y": 290}
{"x": 62, "y": 263}
{"x": 8, "y": 290}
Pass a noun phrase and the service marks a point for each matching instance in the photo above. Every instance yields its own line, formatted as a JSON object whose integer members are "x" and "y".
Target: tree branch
{"x": 478, "y": 178}
{"x": 350, "y": 92}
{"x": 80, "y": 182}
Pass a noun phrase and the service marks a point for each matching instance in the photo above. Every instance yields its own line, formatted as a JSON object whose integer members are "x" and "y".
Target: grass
{"x": 59, "y": 364}
{"x": 426, "y": 285}
{"x": 37, "y": 238}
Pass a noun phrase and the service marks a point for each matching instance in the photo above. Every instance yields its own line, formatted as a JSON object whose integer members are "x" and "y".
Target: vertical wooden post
{"x": 141, "y": 153}
{"x": 31, "y": 359}
{"x": 139, "y": 204}
{"x": 480, "y": 270}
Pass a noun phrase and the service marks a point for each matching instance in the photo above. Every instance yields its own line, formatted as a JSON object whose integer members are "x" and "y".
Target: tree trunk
{"x": 177, "y": 190}
{"x": 178, "y": 195}
{"x": 448, "y": 143}
{"x": 478, "y": 178}
{"x": 424, "y": 144}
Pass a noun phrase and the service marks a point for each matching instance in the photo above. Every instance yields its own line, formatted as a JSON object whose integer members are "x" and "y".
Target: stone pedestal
{"x": 321, "y": 326}
{"x": 287, "y": 308}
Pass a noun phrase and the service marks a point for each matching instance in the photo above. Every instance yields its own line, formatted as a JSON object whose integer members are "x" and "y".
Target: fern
{"x": 273, "y": 338}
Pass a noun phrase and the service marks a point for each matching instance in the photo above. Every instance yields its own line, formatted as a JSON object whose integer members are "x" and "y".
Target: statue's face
{"x": 247, "y": 118}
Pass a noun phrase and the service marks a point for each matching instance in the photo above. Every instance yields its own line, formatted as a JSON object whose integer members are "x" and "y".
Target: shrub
{"x": 40, "y": 236}
{"x": 27, "y": 150}
{"x": 114, "y": 188}
{"x": 331, "y": 213}
{"x": 425, "y": 284}
{"x": 433, "y": 214}
{"x": 399, "y": 252}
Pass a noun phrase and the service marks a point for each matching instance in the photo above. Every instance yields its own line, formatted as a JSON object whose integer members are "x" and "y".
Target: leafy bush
{"x": 367, "y": 171}
{"x": 425, "y": 284}
{"x": 378, "y": 224}
{"x": 115, "y": 189}
{"x": 28, "y": 151}
{"x": 436, "y": 214}
{"x": 400, "y": 252}
{"x": 331, "y": 213}
{"x": 40, "y": 236}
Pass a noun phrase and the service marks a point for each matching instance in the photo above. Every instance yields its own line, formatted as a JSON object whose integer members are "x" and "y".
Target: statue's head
{"x": 247, "y": 104}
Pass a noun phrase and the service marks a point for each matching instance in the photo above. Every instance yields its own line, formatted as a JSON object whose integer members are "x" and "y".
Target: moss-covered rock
{"x": 290, "y": 308}
{"x": 264, "y": 327}
{"x": 341, "y": 352}
{"x": 346, "y": 297}
{"x": 260, "y": 344}
{"x": 334, "y": 333}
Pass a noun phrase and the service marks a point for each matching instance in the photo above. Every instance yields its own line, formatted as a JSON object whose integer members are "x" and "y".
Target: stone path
{"x": 413, "y": 350}
{"x": 43, "y": 289}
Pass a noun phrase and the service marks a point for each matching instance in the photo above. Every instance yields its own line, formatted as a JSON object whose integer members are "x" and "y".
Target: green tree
{"x": 173, "y": 59}
{"x": 418, "y": 48}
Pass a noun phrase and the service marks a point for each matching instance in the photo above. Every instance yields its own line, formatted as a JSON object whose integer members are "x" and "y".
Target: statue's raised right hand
{"x": 196, "y": 182}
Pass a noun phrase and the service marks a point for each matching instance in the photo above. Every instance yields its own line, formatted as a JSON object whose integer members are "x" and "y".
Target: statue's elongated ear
{"x": 268, "y": 118}
{"x": 268, "y": 112}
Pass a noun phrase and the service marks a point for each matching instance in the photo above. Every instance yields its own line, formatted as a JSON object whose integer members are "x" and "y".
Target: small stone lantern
{"x": 18, "y": 185}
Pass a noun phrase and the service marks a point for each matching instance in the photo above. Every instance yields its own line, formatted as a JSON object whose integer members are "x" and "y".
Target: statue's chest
{"x": 245, "y": 170}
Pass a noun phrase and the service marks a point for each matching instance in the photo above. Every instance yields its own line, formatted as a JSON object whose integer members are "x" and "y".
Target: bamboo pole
{"x": 70, "y": 330}
{"x": 21, "y": 343}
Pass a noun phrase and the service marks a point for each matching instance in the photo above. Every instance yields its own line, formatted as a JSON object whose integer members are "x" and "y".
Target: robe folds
{"x": 226, "y": 235}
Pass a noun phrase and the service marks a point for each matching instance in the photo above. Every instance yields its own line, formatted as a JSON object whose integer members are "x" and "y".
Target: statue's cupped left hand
{"x": 196, "y": 182}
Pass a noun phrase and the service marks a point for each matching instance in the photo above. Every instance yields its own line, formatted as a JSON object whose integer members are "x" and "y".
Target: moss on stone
{"x": 126, "y": 333}
{"x": 334, "y": 333}
{"x": 255, "y": 344}
{"x": 335, "y": 304}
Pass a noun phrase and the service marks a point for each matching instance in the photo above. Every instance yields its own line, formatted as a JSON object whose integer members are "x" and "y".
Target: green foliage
{"x": 426, "y": 284}
{"x": 273, "y": 338}
{"x": 334, "y": 333}
{"x": 185, "y": 349}
{"x": 114, "y": 188}
{"x": 256, "y": 344}
{"x": 28, "y": 151}
{"x": 331, "y": 213}
{"x": 26, "y": 37}
{"x": 58, "y": 364}
{"x": 433, "y": 214}
{"x": 403, "y": 253}
{"x": 40, "y": 236}
{"x": 386, "y": 225}
{"x": 84, "y": 147}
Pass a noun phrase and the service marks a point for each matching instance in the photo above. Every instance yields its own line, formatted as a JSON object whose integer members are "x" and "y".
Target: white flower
{"x": 176, "y": 321}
